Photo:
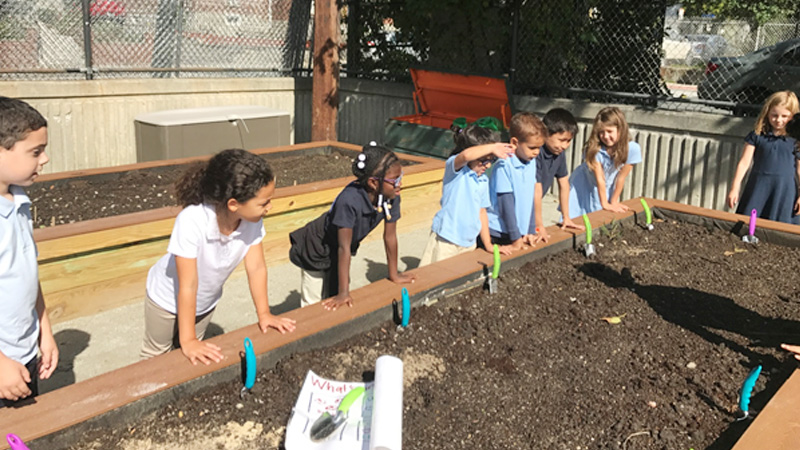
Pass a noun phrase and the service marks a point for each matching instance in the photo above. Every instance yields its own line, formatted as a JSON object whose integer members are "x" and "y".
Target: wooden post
{"x": 325, "y": 91}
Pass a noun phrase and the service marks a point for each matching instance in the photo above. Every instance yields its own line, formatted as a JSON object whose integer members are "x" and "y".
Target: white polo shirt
{"x": 196, "y": 235}
{"x": 19, "y": 279}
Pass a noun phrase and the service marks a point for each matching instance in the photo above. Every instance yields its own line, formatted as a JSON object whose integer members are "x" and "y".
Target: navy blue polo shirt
{"x": 549, "y": 166}
{"x": 314, "y": 245}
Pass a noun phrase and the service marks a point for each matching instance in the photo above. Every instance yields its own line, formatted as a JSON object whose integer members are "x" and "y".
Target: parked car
{"x": 107, "y": 9}
{"x": 703, "y": 47}
{"x": 751, "y": 78}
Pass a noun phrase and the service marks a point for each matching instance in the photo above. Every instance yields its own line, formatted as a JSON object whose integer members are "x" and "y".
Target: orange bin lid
{"x": 457, "y": 95}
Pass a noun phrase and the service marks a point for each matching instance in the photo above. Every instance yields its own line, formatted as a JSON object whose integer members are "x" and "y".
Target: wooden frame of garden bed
{"x": 58, "y": 418}
{"x": 96, "y": 265}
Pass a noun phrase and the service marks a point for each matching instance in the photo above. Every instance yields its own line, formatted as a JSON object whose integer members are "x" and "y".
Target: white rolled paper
{"x": 387, "y": 406}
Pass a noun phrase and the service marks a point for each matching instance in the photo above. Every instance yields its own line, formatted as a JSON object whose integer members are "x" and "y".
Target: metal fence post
{"x": 87, "y": 39}
{"x": 178, "y": 38}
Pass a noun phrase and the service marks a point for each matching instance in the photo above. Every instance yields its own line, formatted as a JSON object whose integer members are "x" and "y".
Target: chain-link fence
{"x": 64, "y": 39}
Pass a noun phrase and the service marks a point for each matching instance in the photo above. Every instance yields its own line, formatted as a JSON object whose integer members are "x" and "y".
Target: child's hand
{"x": 505, "y": 250}
{"x": 797, "y": 207}
{"x": 616, "y": 207}
{"x": 503, "y": 150}
{"x": 568, "y": 223}
{"x": 733, "y": 198}
{"x": 14, "y": 379}
{"x": 49, "y": 360}
{"x": 529, "y": 240}
{"x": 403, "y": 278}
{"x": 204, "y": 352}
{"x": 333, "y": 303}
{"x": 792, "y": 348}
{"x": 541, "y": 235}
{"x": 282, "y": 324}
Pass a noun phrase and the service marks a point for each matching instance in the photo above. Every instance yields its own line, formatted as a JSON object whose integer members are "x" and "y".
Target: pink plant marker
{"x": 750, "y": 238}
{"x": 15, "y": 442}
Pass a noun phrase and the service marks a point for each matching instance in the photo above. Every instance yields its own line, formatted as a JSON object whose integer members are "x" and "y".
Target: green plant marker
{"x": 588, "y": 229}
{"x": 496, "y": 268}
{"x": 647, "y": 211}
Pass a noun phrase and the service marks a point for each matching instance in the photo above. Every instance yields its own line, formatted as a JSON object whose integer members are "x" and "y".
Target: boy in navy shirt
{"x": 552, "y": 163}
{"x": 25, "y": 326}
{"x": 511, "y": 185}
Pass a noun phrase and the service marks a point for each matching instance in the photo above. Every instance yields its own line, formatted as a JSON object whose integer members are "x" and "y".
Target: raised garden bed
{"x": 98, "y": 264}
{"x": 535, "y": 366}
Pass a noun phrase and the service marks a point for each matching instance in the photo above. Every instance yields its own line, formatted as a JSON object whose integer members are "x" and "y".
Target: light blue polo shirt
{"x": 19, "y": 279}
{"x": 512, "y": 175}
{"x": 464, "y": 193}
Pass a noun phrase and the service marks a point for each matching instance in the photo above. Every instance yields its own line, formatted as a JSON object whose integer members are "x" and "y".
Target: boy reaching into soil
{"x": 25, "y": 326}
{"x": 221, "y": 225}
{"x": 465, "y": 195}
{"x": 551, "y": 163}
{"x": 324, "y": 247}
{"x": 511, "y": 185}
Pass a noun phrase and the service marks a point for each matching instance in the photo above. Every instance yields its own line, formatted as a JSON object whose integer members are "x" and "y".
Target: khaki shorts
{"x": 161, "y": 329}
{"x": 438, "y": 249}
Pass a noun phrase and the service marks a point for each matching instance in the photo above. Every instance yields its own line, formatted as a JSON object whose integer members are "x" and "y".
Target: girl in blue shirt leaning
{"x": 609, "y": 157}
{"x": 771, "y": 188}
{"x": 465, "y": 195}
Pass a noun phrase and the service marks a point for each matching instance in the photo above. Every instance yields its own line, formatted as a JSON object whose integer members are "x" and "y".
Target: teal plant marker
{"x": 406, "y": 308}
{"x": 588, "y": 248}
{"x": 495, "y": 270}
{"x": 648, "y": 214}
{"x": 747, "y": 391}
{"x": 250, "y": 367}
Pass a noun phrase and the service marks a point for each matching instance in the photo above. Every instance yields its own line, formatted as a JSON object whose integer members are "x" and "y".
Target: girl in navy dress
{"x": 609, "y": 157}
{"x": 771, "y": 188}
{"x": 324, "y": 247}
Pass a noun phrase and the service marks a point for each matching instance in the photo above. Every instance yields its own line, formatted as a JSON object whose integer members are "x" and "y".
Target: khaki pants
{"x": 311, "y": 286}
{"x": 161, "y": 329}
{"x": 438, "y": 249}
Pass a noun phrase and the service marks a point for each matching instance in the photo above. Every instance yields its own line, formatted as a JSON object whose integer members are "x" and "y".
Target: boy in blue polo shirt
{"x": 511, "y": 186}
{"x": 25, "y": 326}
{"x": 465, "y": 195}
{"x": 552, "y": 163}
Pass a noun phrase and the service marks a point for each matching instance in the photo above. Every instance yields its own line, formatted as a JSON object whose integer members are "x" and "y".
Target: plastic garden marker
{"x": 250, "y": 367}
{"x": 648, "y": 214}
{"x": 588, "y": 248}
{"x": 495, "y": 270}
{"x": 750, "y": 238}
{"x": 747, "y": 390}
{"x": 15, "y": 442}
{"x": 406, "y": 308}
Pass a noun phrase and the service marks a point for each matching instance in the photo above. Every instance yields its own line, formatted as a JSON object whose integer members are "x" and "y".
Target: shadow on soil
{"x": 702, "y": 313}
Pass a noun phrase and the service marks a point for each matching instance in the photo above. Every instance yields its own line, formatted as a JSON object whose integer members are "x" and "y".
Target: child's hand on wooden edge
{"x": 334, "y": 303}
{"x": 204, "y": 352}
{"x": 282, "y": 324}
{"x": 403, "y": 278}
{"x": 616, "y": 207}
{"x": 568, "y": 223}
{"x": 792, "y": 348}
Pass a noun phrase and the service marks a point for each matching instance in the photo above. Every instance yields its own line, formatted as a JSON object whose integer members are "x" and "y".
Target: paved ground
{"x": 106, "y": 341}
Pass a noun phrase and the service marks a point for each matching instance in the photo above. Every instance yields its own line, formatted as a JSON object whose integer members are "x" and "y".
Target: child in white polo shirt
{"x": 465, "y": 194}
{"x": 25, "y": 325}
{"x": 221, "y": 225}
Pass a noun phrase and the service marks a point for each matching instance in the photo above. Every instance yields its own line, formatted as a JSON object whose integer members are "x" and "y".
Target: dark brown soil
{"x": 535, "y": 366}
{"x": 77, "y": 199}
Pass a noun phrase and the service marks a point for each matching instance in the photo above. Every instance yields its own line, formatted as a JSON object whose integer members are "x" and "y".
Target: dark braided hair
{"x": 474, "y": 135}
{"x": 230, "y": 174}
{"x": 373, "y": 161}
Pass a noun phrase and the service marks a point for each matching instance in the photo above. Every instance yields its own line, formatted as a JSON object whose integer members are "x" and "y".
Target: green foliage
{"x": 756, "y": 12}
{"x": 611, "y": 230}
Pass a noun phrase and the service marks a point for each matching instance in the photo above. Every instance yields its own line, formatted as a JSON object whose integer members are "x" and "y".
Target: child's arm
{"x": 563, "y": 200}
{"x": 507, "y": 212}
{"x": 191, "y": 347}
{"x": 345, "y": 236}
{"x": 390, "y": 244}
{"x": 600, "y": 178}
{"x": 256, "y": 270}
{"x": 541, "y": 232}
{"x": 741, "y": 170}
{"x": 14, "y": 379}
{"x": 47, "y": 343}
{"x": 486, "y": 238}
{"x": 619, "y": 184}
{"x": 498, "y": 149}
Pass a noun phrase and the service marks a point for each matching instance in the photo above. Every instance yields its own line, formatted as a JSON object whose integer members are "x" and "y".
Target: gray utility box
{"x": 181, "y": 133}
